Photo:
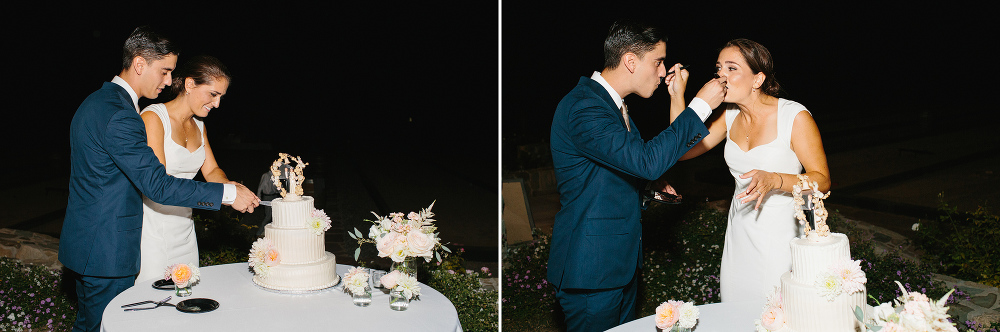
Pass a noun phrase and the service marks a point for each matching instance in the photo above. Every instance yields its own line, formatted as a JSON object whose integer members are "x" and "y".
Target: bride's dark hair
{"x": 759, "y": 60}
{"x": 202, "y": 69}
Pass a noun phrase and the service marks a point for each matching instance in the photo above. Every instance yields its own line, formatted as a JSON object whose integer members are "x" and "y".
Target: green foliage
{"x": 219, "y": 231}
{"x": 478, "y": 308}
{"x": 964, "y": 243}
{"x": 222, "y": 256}
{"x": 529, "y": 301}
{"x": 32, "y": 298}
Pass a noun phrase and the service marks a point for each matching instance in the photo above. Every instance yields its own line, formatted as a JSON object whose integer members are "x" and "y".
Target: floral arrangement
{"x": 397, "y": 237}
{"x": 685, "y": 314}
{"x": 356, "y": 280}
{"x": 295, "y": 178}
{"x": 913, "y": 311}
{"x": 263, "y": 255}
{"x": 819, "y": 210}
{"x": 319, "y": 222}
{"x": 183, "y": 275}
{"x": 402, "y": 282}
{"x": 773, "y": 317}
{"x": 843, "y": 277}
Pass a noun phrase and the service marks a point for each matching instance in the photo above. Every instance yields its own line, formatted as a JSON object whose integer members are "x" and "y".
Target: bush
{"x": 478, "y": 308}
{"x": 529, "y": 301}
{"x": 963, "y": 243}
{"x": 32, "y": 299}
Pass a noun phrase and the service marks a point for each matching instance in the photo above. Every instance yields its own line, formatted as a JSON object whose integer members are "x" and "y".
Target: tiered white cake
{"x": 305, "y": 264}
{"x": 805, "y": 308}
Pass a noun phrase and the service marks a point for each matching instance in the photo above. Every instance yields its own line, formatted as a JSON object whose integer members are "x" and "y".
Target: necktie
{"x": 625, "y": 115}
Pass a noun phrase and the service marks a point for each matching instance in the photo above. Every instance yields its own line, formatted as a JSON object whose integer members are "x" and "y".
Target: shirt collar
{"x": 614, "y": 95}
{"x": 135, "y": 98}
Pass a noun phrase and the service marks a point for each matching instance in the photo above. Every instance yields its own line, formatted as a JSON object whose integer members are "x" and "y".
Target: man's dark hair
{"x": 625, "y": 36}
{"x": 148, "y": 44}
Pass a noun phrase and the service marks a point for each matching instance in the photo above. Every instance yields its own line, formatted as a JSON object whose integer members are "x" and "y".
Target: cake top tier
{"x": 282, "y": 169}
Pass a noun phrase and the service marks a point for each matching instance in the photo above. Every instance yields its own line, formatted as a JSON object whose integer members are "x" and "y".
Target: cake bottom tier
{"x": 301, "y": 277}
{"x": 805, "y": 310}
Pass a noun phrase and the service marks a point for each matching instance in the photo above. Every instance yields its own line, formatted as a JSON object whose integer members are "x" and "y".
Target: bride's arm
{"x": 210, "y": 169}
{"x": 716, "y": 134}
{"x": 154, "y": 134}
{"x": 808, "y": 146}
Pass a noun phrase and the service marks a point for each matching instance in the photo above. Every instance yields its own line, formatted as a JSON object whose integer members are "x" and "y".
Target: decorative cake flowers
{"x": 319, "y": 222}
{"x": 263, "y": 255}
{"x": 773, "y": 317}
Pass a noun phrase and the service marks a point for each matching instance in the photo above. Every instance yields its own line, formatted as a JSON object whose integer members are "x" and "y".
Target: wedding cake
{"x": 825, "y": 286}
{"x": 292, "y": 254}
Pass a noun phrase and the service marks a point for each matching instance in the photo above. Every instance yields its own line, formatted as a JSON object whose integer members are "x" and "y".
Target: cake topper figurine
{"x": 282, "y": 168}
{"x": 816, "y": 197}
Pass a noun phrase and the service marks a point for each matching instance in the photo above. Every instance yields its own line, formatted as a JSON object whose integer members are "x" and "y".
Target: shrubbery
{"x": 964, "y": 244}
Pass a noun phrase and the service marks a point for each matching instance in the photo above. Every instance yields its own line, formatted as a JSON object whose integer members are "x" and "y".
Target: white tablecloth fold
{"x": 245, "y": 307}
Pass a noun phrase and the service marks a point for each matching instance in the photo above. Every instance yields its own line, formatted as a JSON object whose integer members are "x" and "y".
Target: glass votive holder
{"x": 397, "y": 301}
{"x": 363, "y": 298}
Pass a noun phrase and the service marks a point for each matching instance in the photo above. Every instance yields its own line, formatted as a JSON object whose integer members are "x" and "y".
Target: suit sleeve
{"x": 125, "y": 140}
{"x": 598, "y": 134}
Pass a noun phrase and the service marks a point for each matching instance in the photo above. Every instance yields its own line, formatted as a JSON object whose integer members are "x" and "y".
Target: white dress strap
{"x": 787, "y": 111}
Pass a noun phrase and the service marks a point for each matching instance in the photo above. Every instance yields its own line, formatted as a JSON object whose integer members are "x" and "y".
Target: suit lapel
{"x": 599, "y": 90}
{"x": 122, "y": 94}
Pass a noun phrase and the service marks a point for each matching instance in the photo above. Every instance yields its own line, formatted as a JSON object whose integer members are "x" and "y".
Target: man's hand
{"x": 245, "y": 201}
{"x": 714, "y": 92}
{"x": 676, "y": 82}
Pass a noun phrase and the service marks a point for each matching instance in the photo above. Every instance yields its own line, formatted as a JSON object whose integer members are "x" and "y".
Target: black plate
{"x": 195, "y": 306}
{"x": 164, "y": 284}
{"x": 662, "y": 197}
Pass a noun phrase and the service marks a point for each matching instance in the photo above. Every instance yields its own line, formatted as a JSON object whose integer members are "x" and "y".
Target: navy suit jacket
{"x": 601, "y": 168}
{"x": 111, "y": 166}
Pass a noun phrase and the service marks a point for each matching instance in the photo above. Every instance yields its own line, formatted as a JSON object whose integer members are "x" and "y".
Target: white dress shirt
{"x": 228, "y": 191}
{"x": 699, "y": 106}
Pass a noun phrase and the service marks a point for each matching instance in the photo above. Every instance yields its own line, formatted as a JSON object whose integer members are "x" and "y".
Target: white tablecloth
{"x": 245, "y": 307}
{"x": 715, "y": 317}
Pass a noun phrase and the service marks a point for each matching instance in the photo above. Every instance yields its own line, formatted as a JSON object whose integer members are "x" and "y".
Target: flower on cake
{"x": 671, "y": 312}
{"x": 183, "y": 275}
{"x": 913, "y": 311}
{"x": 356, "y": 280}
{"x": 263, "y": 255}
{"x": 773, "y": 317}
{"x": 829, "y": 285}
{"x": 319, "y": 222}
{"x": 852, "y": 279}
{"x": 400, "y": 235}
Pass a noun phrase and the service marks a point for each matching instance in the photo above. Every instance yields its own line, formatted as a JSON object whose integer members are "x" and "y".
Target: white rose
{"x": 420, "y": 244}
{"x": 882, "y": 313}
{"x": 386, "y": 244}
{"x": 374, "y": 232}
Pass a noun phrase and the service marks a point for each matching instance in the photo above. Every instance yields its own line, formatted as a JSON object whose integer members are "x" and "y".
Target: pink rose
{"x": 773, "y": 319}
{"x": 389, "y": 280}
{"x": 420, "y": 244}
{"x": 666, "y": 315}
{"x": 386, "y": 244}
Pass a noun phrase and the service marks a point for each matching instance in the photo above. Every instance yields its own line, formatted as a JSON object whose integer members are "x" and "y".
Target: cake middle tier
{"x": 810, "y": 259}
{"x": 296, "y": 245}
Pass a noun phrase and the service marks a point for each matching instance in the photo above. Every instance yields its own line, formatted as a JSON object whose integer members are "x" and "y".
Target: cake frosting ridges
{"x": 806, "y": 310}
{"x": 810, "y": 259}
{"x": 291, "y": 213}
{"x": 297, "y": 246}
{"x": 303, "y": 277}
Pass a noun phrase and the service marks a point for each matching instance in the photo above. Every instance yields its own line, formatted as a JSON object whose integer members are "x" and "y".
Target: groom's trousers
{"x": 94, "y": 294}
{"x": 598, "y": 309}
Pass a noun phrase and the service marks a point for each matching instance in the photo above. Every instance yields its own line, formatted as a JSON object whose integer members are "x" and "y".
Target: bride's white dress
{"x": 167, "y": 231}
{"x": 756, "y": 250}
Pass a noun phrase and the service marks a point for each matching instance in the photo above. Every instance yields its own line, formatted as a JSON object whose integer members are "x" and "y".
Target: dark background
{"x": 895, "y": 61}
{"x": 368, "y": 76}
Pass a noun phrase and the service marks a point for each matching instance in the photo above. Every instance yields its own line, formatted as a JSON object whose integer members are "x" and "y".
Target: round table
{"x": 243, "y": 306}
{"x": 715, "y": 317}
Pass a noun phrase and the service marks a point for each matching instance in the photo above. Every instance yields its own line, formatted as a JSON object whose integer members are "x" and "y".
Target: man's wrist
{"x": 701, "y": 108}
{"x": 228, "y": 193}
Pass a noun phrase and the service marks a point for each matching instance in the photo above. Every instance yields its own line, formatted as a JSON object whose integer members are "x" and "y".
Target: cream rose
{"x": 420, "y": 244}
{"x": 773, "y": 319}
{"x": 386, "y": 244}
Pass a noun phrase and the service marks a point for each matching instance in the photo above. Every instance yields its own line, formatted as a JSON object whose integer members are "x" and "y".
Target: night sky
{"x": 364, "y": 75}
{"x": 839, "y": 60}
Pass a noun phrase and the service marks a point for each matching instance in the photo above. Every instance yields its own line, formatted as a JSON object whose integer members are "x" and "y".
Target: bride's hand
{"x": 760, "y": 186}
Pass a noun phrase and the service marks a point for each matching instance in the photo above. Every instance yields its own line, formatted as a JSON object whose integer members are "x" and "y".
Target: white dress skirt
{"x": 756, "y": 251}
{"x": 168, "y": 235}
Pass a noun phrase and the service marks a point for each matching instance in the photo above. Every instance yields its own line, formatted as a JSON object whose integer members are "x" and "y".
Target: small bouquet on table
{"x": 913, "y": 311}
{"x": 403, "y": 238}
{"x": 676, "y": 316}
{"x": 184, "y": 276}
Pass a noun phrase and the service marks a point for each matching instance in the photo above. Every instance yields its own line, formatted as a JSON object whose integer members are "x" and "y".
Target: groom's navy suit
{"x": 112, "y": 165}
{"x": 601, "y": 168}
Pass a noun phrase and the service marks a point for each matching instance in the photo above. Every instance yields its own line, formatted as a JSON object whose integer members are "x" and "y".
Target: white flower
{"x": 408, "y": 286}
{"x": 357, "y": 283}
{"x": 757, "y": 325}
{"x": 852, "y": 279}
{"x": 688, "y": 315}
{"x": 915, "y": 227}
{"x": 829, "y": 286}
{"x": 883, "y": 313}
{"x": 374, "y": 232}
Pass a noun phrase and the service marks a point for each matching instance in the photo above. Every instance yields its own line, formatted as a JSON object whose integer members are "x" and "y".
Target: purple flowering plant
{"x": 32, "y": 299}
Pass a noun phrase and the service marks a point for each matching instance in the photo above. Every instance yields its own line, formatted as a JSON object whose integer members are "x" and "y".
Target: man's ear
{"x": 629, "y": 60}
{"x": 139, "y": 65}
